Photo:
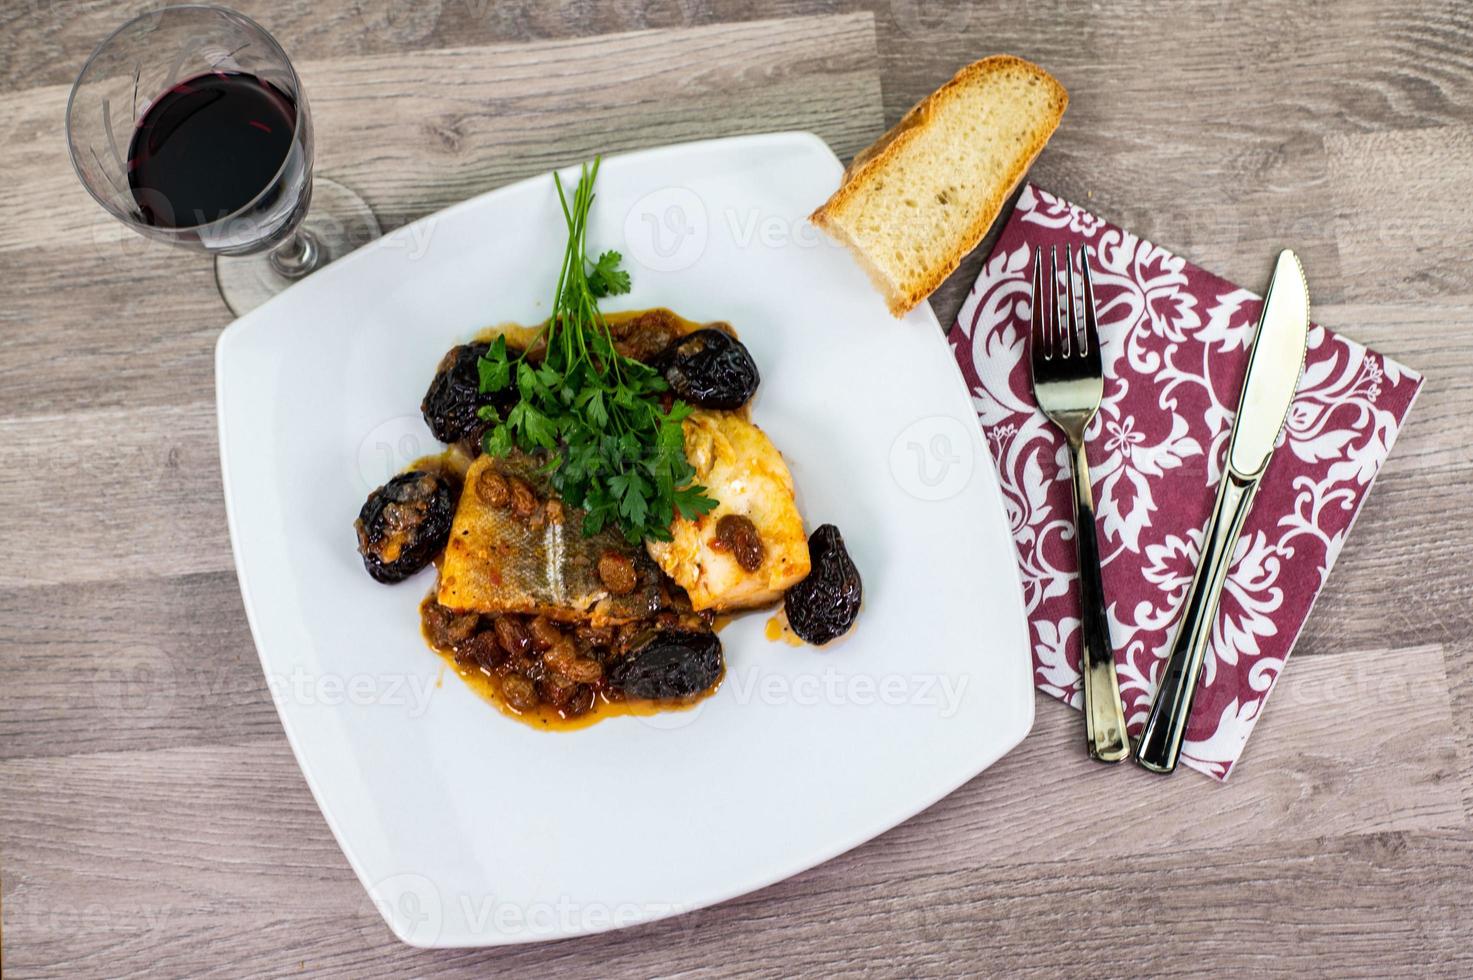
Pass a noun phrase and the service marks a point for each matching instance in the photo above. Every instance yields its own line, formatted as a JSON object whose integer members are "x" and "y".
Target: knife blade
{"x": 1274, "y": 366}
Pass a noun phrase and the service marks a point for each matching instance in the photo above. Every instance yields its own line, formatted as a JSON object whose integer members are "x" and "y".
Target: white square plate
{"x": 469, "y": 828}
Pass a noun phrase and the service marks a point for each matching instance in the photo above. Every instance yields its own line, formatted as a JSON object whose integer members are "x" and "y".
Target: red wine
{"x": 208, "y": 147}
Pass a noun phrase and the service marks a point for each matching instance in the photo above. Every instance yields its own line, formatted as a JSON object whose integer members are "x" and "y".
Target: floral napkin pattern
{"x": 1175, "y": 342}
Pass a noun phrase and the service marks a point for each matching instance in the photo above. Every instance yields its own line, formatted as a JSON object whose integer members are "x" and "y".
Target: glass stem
{"x": 297, "y": 256}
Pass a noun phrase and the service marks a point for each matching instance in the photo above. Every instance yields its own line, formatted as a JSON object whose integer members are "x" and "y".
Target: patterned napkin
{"x": 1174, "y": 340}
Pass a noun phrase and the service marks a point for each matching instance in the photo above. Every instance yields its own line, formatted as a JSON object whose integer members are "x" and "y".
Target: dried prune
{"x": 824, "y": 605}
{"x": 669, "y": 664}
{"x": 404, "y": 524}
{"x": 451, "y": 406}
{"x": 710, "y": 368}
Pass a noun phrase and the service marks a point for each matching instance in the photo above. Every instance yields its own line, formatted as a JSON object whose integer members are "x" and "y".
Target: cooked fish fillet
{"x": 499, "y": 562}
{"x": 743, "y": 471}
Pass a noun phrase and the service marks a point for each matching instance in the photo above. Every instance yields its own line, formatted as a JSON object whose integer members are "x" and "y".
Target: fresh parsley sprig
{"x": 611, "y": 449}
{"x": 607, "y": 279}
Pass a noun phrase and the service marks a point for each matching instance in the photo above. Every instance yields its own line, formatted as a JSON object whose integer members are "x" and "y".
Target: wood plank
{"x": 161, "y": 662}
{"x": 1264, "y": 920}
{"x": 47, "y": 44}
{"x": 1459, "y": 660}
{"x": 133, "y": 665}
{"x": 1400, "y": 239}
{"x": 1401, "y": 572}
{"x": 137, "y": 327}
{"x": 1355, "y": 905}
{"x": 153, "y": 825}
{"x": 1228, "y": 160}
{"x": 1276, "y": 912}
{"x": 392, "y": 128}
{"x": 114, "y": 494}
{"x": 1400, "y": 757}
{"x": 127, "y": 466}
{"x": 83, "y": 824}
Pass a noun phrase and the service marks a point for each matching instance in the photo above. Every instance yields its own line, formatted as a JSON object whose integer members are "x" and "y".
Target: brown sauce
{"x": 608, "y": 703}
{"x": 779, "y": 631}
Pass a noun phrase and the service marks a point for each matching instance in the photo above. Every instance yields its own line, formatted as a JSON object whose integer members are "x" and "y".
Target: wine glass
{"x": 189, "y": 125}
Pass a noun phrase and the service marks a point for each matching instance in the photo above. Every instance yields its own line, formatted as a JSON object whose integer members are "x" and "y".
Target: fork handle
{"x": 1104, "y": 716}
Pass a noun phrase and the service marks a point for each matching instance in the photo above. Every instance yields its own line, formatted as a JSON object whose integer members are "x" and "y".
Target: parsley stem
{"x": 613, "y": 452}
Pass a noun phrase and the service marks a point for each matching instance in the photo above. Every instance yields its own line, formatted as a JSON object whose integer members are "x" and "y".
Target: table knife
{"x": 1274, "y": 366}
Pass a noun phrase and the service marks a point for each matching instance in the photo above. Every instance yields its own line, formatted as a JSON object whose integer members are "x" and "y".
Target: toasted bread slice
{"x": 915, "y": 203}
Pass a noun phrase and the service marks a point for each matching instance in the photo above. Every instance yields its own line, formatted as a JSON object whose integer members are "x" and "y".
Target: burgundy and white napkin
{"x": 1174, "y": 340}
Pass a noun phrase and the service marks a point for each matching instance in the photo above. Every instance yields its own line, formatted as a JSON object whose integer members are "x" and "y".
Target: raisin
{"x": 556, "y": 690}
{"x": 545, "y": 633}
{"x": 513, "y": 636}
{"x": 519, "y": 693}
{"x": 595, "y": 636}
{"x": 446, "y": 627}
{"x": 644, "y": 336}
{"x": 483, "y": 650}
{"x": 523, "y": 498}
{"x": 738, "y": 535}
{"x": 570, "y": 699}
{"x": 492, "y": 488}
{"x": 561, "y": 655}
{"x": 563, "y": 658}
{"x": 616, "y": 571}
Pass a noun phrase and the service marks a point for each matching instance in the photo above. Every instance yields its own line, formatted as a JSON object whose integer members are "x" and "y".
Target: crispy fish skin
{"x": 743, "y": 471}
{"x": 498, "y": 562}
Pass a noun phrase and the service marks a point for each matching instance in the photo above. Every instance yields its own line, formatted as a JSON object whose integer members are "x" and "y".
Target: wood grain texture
{"x": 381, "y": 125}
{"x": 152, "y": 819}
{"x": 241, "y": 848}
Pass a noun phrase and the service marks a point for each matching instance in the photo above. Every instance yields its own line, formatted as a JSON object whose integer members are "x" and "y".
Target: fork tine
{"x": 1091, "y": 321}
{"x": 1075, "y": 337}
{"x": 1038, "y": 335}
{"x": 1061, "y": 324}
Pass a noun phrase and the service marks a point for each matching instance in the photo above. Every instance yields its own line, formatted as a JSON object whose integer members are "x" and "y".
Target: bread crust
{"x": 873, "y": 159}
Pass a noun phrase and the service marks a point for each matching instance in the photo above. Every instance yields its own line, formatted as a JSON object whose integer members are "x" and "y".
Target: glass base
{"x": 338, "y": 220}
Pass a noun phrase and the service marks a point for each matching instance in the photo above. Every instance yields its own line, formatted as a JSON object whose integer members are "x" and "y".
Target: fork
{"x": 1069, "y": 382}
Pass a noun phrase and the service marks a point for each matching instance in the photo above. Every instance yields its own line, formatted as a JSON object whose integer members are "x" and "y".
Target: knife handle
{"x": 1104, "y": 716}
{"x": 1160, "y": 743}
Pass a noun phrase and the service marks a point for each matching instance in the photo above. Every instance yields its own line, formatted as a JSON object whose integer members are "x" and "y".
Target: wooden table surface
{"x": 152, "y": 818}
